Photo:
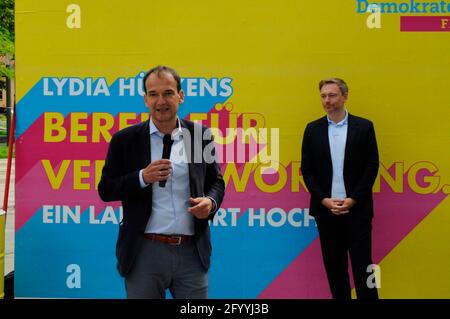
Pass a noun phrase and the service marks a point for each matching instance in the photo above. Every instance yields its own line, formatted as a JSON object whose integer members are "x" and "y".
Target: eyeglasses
{"x": 330, "y": 95}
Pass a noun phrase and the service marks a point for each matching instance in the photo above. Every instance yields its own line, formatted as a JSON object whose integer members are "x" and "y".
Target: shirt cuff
{"x": 141, "y": 179}
{"x": 214, "y": 205}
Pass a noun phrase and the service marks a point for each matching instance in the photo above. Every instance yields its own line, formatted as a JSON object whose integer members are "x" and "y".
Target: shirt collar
{"x": 176, "y": 134}
{"x": 344, "y": 121}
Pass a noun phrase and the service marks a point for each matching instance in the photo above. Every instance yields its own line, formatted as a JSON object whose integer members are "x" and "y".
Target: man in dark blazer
{"x": 164, "y": 238}
{"x": 339, "y": 166}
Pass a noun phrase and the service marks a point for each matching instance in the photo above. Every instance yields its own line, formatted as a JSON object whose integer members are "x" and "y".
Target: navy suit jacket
{"x": 128, "y": 153}
{"x": 360, "y": 165}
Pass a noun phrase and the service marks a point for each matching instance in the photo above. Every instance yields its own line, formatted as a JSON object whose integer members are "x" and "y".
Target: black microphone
{"x": 167, "y": 141}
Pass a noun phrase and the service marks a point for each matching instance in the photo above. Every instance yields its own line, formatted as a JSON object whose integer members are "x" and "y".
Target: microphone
{"x": 167, "y": 141}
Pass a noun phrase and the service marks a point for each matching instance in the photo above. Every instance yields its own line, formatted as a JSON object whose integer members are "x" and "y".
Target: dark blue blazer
{"x": 360, "y": 165}
{"x": 128, "y": 153}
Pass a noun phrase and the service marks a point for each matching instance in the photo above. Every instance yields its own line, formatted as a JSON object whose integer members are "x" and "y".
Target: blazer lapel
{"x": 325, "y": 141}
{"x": 144, "y": 158}
{"x": 189, "y": 149}
{"x": 352, "y": 129}
{"x": 144, "y": 143}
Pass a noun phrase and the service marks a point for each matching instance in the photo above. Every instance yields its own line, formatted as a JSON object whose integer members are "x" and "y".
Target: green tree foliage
{"x": 7, "y": 16}
{"x": 6, "y": 37}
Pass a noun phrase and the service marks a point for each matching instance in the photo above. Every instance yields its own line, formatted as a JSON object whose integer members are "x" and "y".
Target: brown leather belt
{"x": 168, "y": 239}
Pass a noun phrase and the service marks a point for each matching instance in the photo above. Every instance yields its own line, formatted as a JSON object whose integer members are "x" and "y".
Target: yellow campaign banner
{"x": 250, "y": 71}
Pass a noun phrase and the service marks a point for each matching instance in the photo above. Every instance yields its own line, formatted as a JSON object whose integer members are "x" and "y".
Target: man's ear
{"x": 181, "y": 96}
{"x": 147, "y": 105}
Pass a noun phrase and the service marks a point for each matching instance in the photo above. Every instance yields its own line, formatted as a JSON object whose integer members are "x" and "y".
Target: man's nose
{"x": 160, "y": 100}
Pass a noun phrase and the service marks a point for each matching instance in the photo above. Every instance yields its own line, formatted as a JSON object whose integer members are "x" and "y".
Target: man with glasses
{"x": 164, "y": 238}
{"x": 339, "y": 166}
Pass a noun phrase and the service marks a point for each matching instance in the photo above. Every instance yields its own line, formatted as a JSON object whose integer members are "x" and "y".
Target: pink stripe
{"x": 31, "y": 148}
{"x": 396, "y": 215}
{"x": 36, "y": 189}
{"x": 304, "y": 278}
{"x": 252, "y": 197}
{"x": 425, "y": 24}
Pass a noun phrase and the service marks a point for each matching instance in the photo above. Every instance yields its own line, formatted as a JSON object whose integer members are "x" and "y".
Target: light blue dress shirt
{"x": 170, "y": 203}
{"x": 337, "y": 137}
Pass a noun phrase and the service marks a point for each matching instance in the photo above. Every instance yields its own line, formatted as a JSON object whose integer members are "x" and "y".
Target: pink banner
{"x": 425, "y": 24}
